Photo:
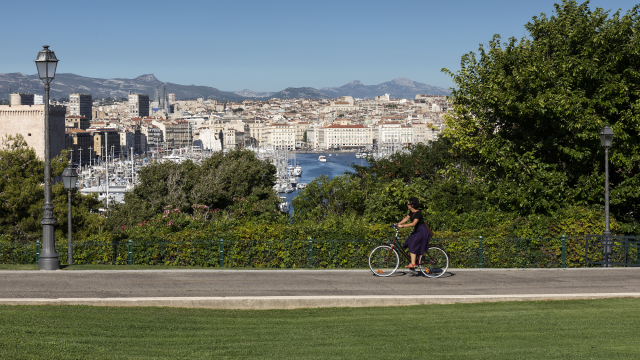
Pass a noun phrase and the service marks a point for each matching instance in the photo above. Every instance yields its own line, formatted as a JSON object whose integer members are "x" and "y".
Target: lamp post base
{"x": 49, "y": 263}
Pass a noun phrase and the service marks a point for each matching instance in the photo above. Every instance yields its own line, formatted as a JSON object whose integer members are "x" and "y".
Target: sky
{"x": 263, "y": 45}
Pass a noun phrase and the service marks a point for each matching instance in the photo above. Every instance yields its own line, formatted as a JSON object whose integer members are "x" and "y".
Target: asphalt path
{"x": 261, "y": 283}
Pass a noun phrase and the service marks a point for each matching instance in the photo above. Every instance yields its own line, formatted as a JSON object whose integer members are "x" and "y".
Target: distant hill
{"x": 253, "y": 94}
{"x": 397, "y": 88}
{"x": 65, "y": 84}
{"x": 297, "y": 93}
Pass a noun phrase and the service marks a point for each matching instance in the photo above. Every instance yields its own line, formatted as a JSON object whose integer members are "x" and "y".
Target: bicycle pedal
{"x": 380, "y": 271}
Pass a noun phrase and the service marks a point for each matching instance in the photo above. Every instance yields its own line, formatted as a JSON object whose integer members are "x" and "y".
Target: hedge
{"x": 328, "y": 253}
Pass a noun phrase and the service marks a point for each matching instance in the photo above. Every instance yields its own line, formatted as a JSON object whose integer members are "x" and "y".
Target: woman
{"x": 419, "y": 239}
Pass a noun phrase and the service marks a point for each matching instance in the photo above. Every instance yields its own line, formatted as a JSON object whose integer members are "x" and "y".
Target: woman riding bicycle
{"x": 418, "y": 241}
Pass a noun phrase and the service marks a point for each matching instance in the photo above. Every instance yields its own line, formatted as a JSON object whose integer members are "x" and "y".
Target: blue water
{"x": 336, "y": 165}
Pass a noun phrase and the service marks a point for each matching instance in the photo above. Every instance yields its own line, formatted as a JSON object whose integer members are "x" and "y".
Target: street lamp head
{"x": 69, "y": 177}
{"x": 606, "y": 136}
{"x": 46, "y": 62}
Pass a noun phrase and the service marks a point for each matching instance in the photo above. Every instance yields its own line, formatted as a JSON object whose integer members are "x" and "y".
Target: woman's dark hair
{"x": 414, "y": 203}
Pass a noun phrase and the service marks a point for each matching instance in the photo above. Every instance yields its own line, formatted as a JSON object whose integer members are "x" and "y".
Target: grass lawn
{"x": 589, "y": 329}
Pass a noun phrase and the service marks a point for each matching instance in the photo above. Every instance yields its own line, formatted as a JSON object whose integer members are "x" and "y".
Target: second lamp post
{"x": 69, "y": 178}
{"x": 606, "y": 139}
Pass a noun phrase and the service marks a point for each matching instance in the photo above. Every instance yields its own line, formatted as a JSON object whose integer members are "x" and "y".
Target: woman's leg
{"x": 413, "y": 258}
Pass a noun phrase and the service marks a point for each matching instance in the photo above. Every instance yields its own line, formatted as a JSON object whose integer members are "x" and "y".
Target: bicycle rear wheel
{"x": 383, "y": 261}
{"x": 434, "y": 263}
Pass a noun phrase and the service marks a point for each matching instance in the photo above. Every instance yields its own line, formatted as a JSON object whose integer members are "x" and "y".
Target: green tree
{"x": 530, "y": 110}
{"x": 222, "y": 181}
{"x": 22, "y": 195}
{"x": 304, "y": 137}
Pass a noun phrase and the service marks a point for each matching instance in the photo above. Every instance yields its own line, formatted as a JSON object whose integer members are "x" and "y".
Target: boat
{"x": 322, "y": 158}
{"x": 302, "y": 185}
{"x": 284, "y": 204}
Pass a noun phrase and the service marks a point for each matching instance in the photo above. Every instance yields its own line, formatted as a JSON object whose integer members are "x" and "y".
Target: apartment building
{"x": 80, "y": 143}
{"x": 393, "y": 135}
{"x": 153, "y": 136}
{"x": 209, "y": 138}
{"x": 138, "y": 105}
{"x": 81, "y": 105}
{"x": 105, "y": 140}
{"x": 280, "y": 136}
{"x": 133, "y": 138}
{"x": 348, "y": 136}
{"x": 176, "y": 133}
{"x": 77, "y": 122}
{"x": 300, "y": 127}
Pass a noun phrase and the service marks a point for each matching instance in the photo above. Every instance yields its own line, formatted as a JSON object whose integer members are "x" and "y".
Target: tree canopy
{"x": 529, "y": 111}
{"x": 22, "y": 195}
{"x": 220, "y": 182}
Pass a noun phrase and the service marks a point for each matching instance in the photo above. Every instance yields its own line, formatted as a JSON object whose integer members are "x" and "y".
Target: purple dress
{"x": 421, "y": 235}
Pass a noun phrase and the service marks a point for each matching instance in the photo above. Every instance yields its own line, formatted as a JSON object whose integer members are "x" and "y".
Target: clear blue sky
{"x": 262, "y": 45}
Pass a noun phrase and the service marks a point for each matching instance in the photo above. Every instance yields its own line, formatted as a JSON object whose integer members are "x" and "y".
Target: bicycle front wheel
{"x": 383, "y": 261}
{"x": 434, "y": 263}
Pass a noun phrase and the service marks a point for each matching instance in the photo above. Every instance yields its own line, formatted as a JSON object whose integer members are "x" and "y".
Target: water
{"x": 336, "y": 165}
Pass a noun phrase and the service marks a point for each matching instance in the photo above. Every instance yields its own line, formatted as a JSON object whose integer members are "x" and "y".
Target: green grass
{"x": 589, "y": 329}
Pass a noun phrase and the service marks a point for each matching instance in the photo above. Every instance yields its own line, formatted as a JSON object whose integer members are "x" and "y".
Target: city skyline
{"x": 264, "y": 46}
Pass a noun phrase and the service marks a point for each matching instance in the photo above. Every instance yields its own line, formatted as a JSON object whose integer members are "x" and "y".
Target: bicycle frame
{"x": 402, "y": 251}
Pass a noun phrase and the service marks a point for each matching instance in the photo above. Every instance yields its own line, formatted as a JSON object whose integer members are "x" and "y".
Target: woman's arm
{"x": 413, "y": 223}
{"x": 403, "y": 221}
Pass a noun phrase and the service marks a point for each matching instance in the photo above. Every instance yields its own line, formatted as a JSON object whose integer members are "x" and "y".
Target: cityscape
{"x": 157, "y": 123}
{"x": 479, "y": 181}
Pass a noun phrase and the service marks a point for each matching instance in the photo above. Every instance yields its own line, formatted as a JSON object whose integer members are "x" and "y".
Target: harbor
{"x": 111, "y": 178}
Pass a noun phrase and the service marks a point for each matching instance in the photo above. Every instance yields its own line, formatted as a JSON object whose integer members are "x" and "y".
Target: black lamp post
{"x": 69, "y": 178}
{"x": 606, "y": 139}
{"x": 46, "y": 62}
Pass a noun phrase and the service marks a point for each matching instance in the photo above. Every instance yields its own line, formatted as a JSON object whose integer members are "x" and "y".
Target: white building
{"x": 394, "y": 134}
{"x": 279, "y": 136}
{"x": 347, "y": 136}
{"x": 209, "y": 139}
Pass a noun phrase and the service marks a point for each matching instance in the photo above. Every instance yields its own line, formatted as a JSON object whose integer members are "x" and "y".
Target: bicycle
{"x": 384, "y": 259}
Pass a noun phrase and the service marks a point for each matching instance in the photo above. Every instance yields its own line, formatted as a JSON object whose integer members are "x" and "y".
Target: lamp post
{"x": 606, "y": 139}
{"x": 69, "y": 178}
{"x": 46, "y": 62}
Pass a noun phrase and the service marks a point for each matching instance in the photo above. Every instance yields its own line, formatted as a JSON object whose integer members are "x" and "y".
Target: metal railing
{"x": 563, "y": 251}
{"x": 610, "y": 251}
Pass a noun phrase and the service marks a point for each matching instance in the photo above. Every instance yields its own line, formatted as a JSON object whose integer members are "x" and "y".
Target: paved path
{"x": 194, "y": 286}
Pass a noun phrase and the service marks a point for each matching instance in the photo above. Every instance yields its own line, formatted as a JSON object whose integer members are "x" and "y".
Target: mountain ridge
{"x": 68, "y": 83}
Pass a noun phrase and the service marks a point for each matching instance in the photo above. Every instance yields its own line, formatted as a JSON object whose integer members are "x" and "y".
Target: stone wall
{"x": 28, "y": 120}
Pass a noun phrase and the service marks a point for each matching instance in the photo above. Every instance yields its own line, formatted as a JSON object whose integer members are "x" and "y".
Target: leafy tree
{"x": 22, "y": 195}
{"x": 304, "y": 137}
{"x": 223, "y": 181}
{"x": 238, "y": 110}
{"x": 530, "y": 111}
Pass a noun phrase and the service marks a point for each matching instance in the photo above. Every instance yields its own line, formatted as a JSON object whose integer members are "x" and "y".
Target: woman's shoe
{"x": 410, "y": 266}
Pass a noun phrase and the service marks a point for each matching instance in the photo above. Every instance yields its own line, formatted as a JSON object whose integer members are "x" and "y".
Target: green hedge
{"x": 329, "y": 253}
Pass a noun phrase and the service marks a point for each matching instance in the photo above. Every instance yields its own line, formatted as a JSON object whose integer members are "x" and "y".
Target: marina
{"x": 294, "y": 171}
